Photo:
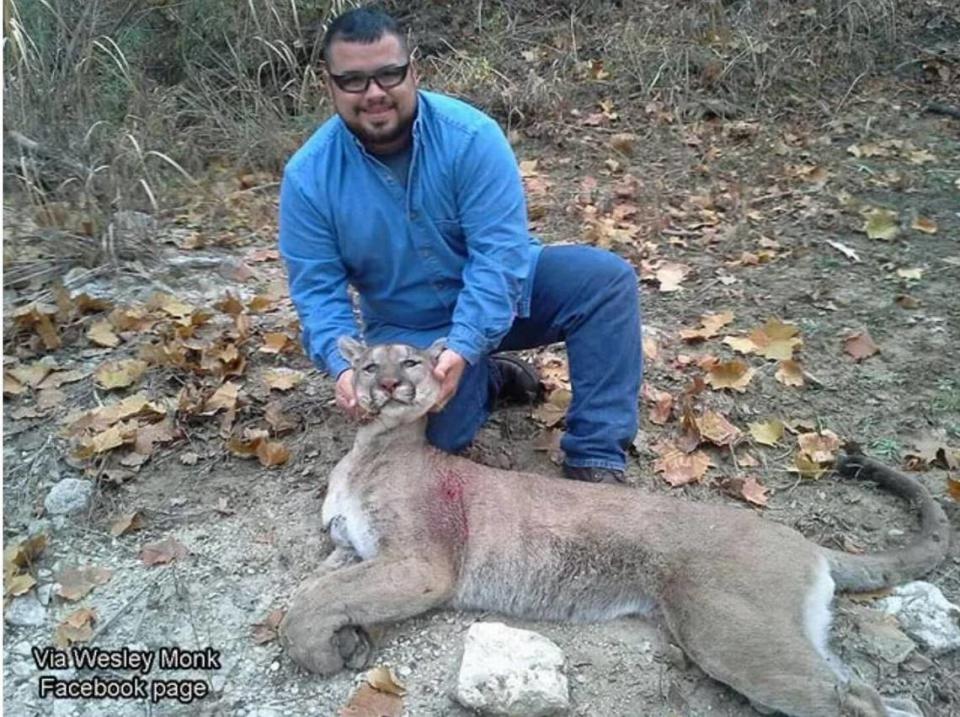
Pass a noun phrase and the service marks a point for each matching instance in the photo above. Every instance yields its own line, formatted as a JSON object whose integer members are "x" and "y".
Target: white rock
{"x": 926, "y": 615}
{"x": 71, "y": 495}
{"x": 26, "y": 611}
{"x": 516, "y": 673}
{"x": 45, "y": 593}
{"x": 23, "y": 648}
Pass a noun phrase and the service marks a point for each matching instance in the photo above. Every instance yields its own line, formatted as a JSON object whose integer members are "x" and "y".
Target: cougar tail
{"x": 923, "y": 554}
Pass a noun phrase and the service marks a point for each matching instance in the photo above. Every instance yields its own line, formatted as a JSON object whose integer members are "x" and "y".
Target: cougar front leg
{"x": 321, "y": 628}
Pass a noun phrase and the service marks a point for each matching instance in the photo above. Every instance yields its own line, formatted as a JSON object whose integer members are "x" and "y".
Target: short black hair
{"x": 362, "y": 24}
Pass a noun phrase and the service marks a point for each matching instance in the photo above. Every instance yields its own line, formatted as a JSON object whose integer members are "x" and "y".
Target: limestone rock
{"x": 511, "y": 672}
{"x": 926, "y": 615}
{"x": 26, "y": 611}
{"x": 71, "y": 495}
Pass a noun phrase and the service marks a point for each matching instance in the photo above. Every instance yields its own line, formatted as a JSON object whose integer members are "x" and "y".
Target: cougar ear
{"x": 350, "y": 348}
{"x": 436, "y": 348}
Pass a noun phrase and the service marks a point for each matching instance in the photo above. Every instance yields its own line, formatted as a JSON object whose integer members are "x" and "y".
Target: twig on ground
{"x": 152, "y": 582}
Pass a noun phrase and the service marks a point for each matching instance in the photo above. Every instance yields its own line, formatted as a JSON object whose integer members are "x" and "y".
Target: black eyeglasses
{"x": 358, "y": 82}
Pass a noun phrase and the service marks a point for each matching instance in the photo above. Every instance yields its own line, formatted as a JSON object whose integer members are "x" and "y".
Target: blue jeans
{"x": 588, "y": 298}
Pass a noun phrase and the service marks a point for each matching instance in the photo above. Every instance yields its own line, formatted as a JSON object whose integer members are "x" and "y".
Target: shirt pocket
{"x": 452, "y": 234}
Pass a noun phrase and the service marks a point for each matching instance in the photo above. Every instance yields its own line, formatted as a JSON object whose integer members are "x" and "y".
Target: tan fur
{"x": 746, "y": 598}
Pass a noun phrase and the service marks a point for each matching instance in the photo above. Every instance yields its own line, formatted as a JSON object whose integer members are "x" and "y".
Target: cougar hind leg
{"x": 769, "y": 645}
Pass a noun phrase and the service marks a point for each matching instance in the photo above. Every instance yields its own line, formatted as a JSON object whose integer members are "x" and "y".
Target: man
{"x": 415, "y": 199}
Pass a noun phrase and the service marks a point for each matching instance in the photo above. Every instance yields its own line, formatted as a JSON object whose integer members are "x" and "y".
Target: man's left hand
{"x": 449, "y": 369}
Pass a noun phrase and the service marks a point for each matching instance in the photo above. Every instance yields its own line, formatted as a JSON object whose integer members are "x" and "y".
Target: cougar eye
{"x": 410, "y": 363}
{"x": 370, "y": 368}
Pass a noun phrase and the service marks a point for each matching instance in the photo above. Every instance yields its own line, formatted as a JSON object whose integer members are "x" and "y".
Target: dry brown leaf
{"x": 953, "y": 488}
{"x": 18, "y": 584}
{"x": 51, "y": 398}
{"x": 165, "y": 551}
{"x": 767, "y": 433}
{"x": 272, "y": 453}
{"x": 127, "y": 524}
{"x": 790, "y": 373}
{"x": 266, "y": 631}
{"x": 382, "y": 678}
{"x": 860, "y": 345}
{"x": 368, "y": 702}
{"x": 651, "y": 348}
{"x": 661, "y": 404}
{"x": 32, "y": 375}
{"x": 717, "y": 429}
{"x": 670, "y": 275}
{"x": 282, "y": 379}
{"x": 23, "y": 553}
{"x": 224, "y": 398}
{"x": 551, "y": 412}
{"x": 101, "y": 333}
{"x": 806, "y": 467}
{"x": 710, "y": 324}
{"x": 773, "y": 340}
{"x": 748, "y": 489}
{"x": 74, "y": 583}
{"x": 261, "y": 303}
{"x": 735, "y": 375}
{"x": 927, "y": 226}
{"x": 274, "y": 343}
{"x": 119, "y": 374}
{"x": 679, "y": 468}
{"x": 819, "y": 447}
{"x": 279, "y": 421}
{"x": 230, "y": 304}
{"x": 77, "y": 627}
{"x": 11, "y": 386}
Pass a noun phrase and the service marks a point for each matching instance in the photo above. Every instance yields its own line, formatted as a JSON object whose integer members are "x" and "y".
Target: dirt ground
{"x": 704, "y": 193}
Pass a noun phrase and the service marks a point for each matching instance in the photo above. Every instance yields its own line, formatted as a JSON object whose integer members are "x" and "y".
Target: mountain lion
{"x": 747, "y": 599}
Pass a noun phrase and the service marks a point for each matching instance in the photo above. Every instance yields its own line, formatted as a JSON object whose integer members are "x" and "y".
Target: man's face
{"x": 381, "y": 118}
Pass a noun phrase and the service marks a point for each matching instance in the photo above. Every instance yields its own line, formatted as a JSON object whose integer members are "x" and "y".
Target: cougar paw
{"x": 312, "y": 644}
{"x": 354, "y": 646}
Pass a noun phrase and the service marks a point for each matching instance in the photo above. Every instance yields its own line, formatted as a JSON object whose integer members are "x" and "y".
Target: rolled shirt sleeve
{"x": 493, "y": 216}
{"x": 317, "y": 277}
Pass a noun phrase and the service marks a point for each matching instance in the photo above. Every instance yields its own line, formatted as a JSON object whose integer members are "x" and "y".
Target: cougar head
{"x": 393, "y": 379}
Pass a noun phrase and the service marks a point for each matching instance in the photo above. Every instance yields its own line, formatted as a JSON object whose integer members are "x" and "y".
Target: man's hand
{"x": 347, "y": 397}
{"x": 448, "y": 371}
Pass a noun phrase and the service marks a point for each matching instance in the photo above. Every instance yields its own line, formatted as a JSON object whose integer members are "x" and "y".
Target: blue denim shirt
{"x": 449, "y": 255}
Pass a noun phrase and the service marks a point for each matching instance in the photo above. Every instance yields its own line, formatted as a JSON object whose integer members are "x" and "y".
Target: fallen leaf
{"x": 819, "y": 447}
{"x": 274, "y": 343}
{"x": 927, "y": 226}
{"x": 367, "y": 701}
{"x": 74, "y": 583}
{"x": 747, "y": 488}
{"x": 661, "y": 402}
{"x": 911, "y": 274}
{"x": 119, "y": 374}
{"x": 806, "y": 467}
{"x": 261, "y": 303}
{"x": 552, "y": 411}
{"x": 679, "y": 468}
{"x": 279, "y": 421}
{"x": 51, "y": 398}
{"x": 734, "y": 375}
{"x": 710, "y": 324}
{"x": 101, "y": 333}
{"x": 272, "y": 453}
{"x": 18, "y": 584}
{"x": 767, "y": 433}
{"x": 282, "y": 379}
{"x": 77, "y": 627}
{"x": 670, "y": 275}
{"x": 382, "y": 678}
{"x": 624, "y": 143}
{"x": 881, "y": 224}
{"x": 224, "y": 398}
{"x": 860, "y": 345}
{"x": 165, "y": 551}
{"x": 266, "y": 631}
{"x": 717, "y": 429}
{"x": 790, "y": 373}
{"x": 953, "y": 488}
{"x": 651, "y": 348}
{"x": 230, "y": 304}
{"x": 127, "y": 524}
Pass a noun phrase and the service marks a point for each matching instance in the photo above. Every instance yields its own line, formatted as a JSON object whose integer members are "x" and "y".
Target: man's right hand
{"x": 347, "y": 397}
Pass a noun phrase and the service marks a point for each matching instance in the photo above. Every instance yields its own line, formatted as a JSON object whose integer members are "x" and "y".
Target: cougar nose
{"x": 388, "y": 384}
